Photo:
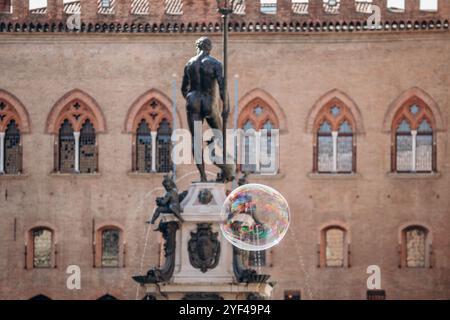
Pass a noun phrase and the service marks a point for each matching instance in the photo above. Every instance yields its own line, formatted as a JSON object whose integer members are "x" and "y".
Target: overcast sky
{"x": 394, "y": 3}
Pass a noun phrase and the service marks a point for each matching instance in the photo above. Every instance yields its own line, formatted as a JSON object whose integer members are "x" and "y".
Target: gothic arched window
{"x": 259, "y": 141}
{"x": 12, "y": 125}
{"x": 335, "y": 145}
{"x": 75, "y": 120}
{"x": 152, "y": 145}
{"x": 414, "y": 145}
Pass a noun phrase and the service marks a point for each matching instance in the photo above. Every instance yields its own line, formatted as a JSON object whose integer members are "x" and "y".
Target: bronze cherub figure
{"x": 170, "y": 202}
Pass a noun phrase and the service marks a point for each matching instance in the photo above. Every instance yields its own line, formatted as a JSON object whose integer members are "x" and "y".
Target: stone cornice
{"x": 243, "y": 27}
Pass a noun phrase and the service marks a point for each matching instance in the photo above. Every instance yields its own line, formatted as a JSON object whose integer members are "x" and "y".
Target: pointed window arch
{"x": 259, "y": 141}
{"x": 334, "y": 147}
{"x": 414, "y": 138}
{"x": 75, "y": 121}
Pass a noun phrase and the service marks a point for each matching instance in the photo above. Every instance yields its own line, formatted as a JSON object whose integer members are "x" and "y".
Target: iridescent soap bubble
{"x": 254, "y": 217}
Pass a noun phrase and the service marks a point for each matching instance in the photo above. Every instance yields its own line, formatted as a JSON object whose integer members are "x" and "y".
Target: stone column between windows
{"x": 76, "y": 135}
{"x": 334, "y": 134}
{"x": 258, "y": 151}
{"x": 414, "y": 149}
{"x": 2, "y": 152}
{"x": 154, "y": 134}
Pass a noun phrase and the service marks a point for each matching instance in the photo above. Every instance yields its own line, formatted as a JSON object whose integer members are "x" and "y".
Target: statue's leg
{"x": 192, "y": 117}
{"x": 228, "y": 170}
{"x": 155, "y": 216}
{"x": 178, "y": 215}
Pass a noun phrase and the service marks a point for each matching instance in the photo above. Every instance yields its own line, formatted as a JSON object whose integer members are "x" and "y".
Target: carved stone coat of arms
{"x": 204, "y": 248}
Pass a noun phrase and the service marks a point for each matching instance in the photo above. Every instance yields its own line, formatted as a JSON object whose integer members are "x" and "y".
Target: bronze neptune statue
{"x": 203, "y": 89}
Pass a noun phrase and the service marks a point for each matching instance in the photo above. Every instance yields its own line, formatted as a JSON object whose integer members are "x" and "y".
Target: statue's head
{"x": 204, "y": 44}
{"x": 168, "y": 182}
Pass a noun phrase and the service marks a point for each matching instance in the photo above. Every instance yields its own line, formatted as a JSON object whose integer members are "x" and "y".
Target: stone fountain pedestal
{"x": 204, "y": 266}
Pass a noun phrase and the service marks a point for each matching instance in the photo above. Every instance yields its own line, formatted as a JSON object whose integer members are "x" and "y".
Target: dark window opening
{"x": 143, "y": 148}
{"x": 88, "y": 152}
{"x": 66, "y": 148}
{"x": 12, "y": 157}
{"x": 163, "y": 144}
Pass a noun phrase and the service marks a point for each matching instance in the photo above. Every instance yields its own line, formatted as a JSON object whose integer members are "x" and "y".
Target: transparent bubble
{"x": 254, "y": 217}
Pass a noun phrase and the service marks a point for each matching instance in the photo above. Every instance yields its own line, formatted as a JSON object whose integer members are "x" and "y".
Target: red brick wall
{"x": 205, "y": 11}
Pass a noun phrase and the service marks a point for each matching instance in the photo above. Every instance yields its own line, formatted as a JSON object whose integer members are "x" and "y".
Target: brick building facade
{"x": 363, "y": 114}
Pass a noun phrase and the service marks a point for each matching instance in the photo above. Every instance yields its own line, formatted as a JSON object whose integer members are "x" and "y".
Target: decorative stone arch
{"x": 274, "y": 113}
{"x": 413, "y": 94}
{"x": 404, "y": 113}
{"x": 141, "y": 109}
{"x": 13, "y": 109}
{"x": 65, "y": 108}
{"x": 335, "y": 96}
{"x": 154, "y": 108}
